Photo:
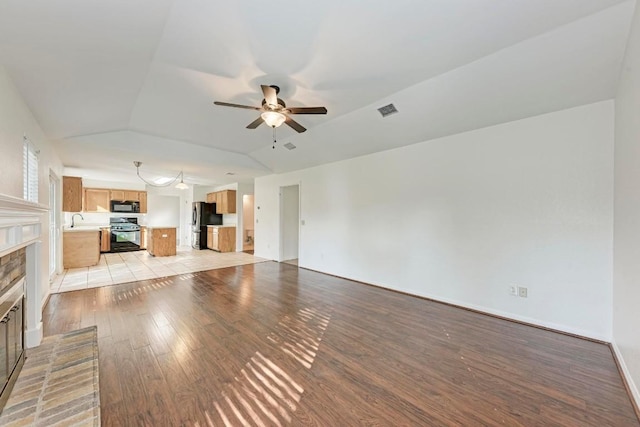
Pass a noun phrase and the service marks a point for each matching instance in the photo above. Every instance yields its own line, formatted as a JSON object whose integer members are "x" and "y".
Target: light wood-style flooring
{"x": 272, "y": 344}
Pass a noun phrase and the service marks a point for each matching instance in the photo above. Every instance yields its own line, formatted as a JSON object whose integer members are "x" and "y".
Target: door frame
{"x": 281, "y": 255}
{"x": 55, "y": 246}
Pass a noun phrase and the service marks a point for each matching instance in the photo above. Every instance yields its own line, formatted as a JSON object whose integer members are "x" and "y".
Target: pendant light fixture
{"x": 180, "y": 186}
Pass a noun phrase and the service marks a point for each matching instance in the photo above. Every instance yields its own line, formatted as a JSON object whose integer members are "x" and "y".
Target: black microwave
{"x": 125, "y": 207}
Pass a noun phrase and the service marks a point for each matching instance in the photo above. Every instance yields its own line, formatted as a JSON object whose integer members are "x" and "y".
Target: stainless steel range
{"x": 125, "y": 234}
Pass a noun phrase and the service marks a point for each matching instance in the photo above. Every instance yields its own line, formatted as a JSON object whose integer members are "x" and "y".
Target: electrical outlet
{"x": 513, "y": 290}
{"x": 522, "y": 291}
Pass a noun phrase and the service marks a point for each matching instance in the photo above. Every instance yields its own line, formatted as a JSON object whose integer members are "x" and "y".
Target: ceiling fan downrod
{"x": 274, "y": 138}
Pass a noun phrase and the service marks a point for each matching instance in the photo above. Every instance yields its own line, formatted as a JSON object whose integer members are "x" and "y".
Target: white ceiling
{"x": 117, "y": 81}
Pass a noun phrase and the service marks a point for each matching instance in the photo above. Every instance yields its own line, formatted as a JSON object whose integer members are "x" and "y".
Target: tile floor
{"x": 131, "y": 266}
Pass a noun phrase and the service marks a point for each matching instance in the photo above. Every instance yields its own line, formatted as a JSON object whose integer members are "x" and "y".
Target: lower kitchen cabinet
{"x": 105, "y": 239}
{"x": 221, "y": 239}
{"x": 143, "y": 237}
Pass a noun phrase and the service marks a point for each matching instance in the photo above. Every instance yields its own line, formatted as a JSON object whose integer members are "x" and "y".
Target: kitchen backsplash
{"x": 92, "y": 219}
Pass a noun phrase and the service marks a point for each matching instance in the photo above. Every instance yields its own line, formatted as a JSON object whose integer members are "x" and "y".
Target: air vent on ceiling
{"x": 289, "y": 146}
{"x": 387, "y": 110}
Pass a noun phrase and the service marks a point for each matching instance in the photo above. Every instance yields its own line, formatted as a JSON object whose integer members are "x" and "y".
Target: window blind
{"x": 30, "y": 171}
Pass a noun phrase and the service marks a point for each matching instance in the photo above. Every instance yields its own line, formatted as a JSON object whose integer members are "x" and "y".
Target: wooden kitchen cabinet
{"x": 225, "y": 201}
{"x": 161, "y": 241}
{"x": 142, "y": 198}
{"x": 71, "y": 194}
{"x": 130, "y": 196}
{"x": 210, "y": 243}
{"x": 96, "y": 200}
{"x": 117, "y": 195}
{"x": 221, "y": 239}
{"x": 105, "y": 239}
{"x": 143, "y": 234}
{"x": 80, "y": 248}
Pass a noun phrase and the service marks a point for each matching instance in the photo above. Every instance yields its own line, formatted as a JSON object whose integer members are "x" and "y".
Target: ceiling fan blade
{"x": 307, "y": 110}
{"x": 270, "y": 95}
{"x": 226, "y": 104}
{"x": 294, "y": 125}
{"x": 254, "y": 124}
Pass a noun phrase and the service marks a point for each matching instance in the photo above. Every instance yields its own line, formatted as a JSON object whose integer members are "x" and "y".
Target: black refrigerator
{"x": 203, "y": 214}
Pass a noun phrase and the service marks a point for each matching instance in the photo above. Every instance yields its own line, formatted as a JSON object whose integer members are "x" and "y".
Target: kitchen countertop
{"x": 230, "y": 225}
{"x": 152, "y": 227}
{"x": 82, "y": 228}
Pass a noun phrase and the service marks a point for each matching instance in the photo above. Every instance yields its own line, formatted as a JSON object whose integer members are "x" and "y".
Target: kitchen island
{"x": 161, "y": 241}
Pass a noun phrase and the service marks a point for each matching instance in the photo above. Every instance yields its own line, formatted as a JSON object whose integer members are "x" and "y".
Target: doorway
{"x": 247, "y": 223}
{"x": 54, "y": 220}
{"x": 289, "y": 223}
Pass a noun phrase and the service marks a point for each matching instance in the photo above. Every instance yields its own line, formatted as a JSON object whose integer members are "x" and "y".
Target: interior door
{"x": 289, "y": 222}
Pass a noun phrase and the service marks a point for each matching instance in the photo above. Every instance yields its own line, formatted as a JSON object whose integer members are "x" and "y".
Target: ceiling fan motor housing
{"x": 281, "y": 105}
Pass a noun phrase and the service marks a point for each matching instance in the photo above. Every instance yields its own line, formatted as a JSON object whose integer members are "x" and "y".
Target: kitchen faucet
{"x": 73, "y": 217}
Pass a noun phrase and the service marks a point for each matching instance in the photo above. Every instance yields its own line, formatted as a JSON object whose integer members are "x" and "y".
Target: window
{"x": 30, "y": 171}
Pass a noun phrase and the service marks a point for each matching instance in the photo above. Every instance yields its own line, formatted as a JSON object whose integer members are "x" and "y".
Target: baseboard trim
{"x": 629, "y": 384}
{"x": 551, "y": 327}
{"x": 33, "y": 336}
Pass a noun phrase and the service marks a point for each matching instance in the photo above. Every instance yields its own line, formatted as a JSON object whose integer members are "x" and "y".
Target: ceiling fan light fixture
{"x": 273, "y": 118}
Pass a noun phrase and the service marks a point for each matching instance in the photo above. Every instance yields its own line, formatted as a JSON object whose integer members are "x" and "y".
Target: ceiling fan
{"x": 275, "y": 111}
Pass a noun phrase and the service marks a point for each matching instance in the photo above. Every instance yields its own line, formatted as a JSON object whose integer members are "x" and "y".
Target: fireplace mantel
{"x": 21, "y": 225}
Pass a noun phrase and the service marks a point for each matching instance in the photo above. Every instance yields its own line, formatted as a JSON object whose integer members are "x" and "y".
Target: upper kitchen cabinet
{"x": 132, "y": 196}
{"x": 96, "y": 200}
{"x": 212, "y": 197}
{"x": 225, "y": 201}
{"x": 125, "y": 195}
{"x": 71, "y": 194}
{"x": 142, "y": 198}
{"x": 129, "y": 196}
{"x": 117, "y": 195}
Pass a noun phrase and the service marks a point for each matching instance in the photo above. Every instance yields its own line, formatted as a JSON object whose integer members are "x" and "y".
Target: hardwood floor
{"x": 271, "y": 344}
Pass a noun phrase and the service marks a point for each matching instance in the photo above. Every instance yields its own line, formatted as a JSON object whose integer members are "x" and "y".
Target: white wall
{"x": 200, "y": 192}
{"x": 185, "y": 197}
{"x": 460, "y": 218}
{"x": 626, "y": 249}
{"x": 16, "y": 120}
{"x": 164, "y": 211}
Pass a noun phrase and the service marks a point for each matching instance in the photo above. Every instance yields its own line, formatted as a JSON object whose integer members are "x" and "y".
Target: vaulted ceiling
{"x": 115, "y": 81}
